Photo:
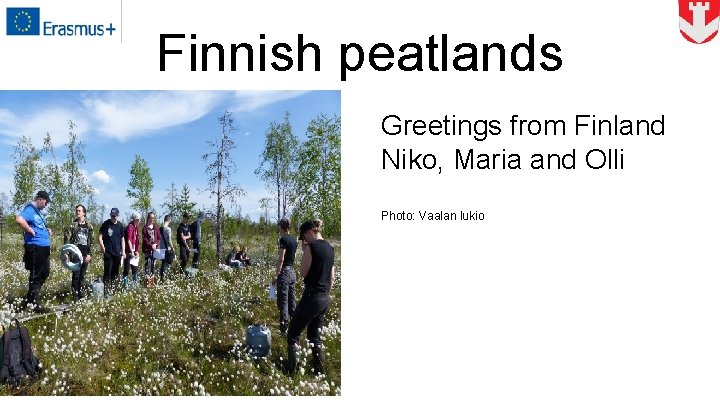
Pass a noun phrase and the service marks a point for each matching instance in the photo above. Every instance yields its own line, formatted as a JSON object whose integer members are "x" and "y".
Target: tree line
{"x": 303, "y": 178}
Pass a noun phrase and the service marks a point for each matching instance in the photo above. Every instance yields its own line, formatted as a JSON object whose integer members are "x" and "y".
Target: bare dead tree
{"x": 220, "y": 166}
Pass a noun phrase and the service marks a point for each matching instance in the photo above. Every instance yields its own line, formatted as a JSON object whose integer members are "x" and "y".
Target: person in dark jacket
{"x": 80, "y": 234}
{"x": 112, "y": 244}
{"x": 183, "y": 235}
{"x": 318, "y": 271}
{"x": 196, "y": 237}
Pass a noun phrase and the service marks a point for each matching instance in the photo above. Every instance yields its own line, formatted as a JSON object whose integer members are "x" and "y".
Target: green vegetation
{"x": 184, "y": 337}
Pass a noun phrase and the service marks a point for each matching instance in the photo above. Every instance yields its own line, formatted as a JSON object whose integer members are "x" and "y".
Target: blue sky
{"x": 169, "y": 129}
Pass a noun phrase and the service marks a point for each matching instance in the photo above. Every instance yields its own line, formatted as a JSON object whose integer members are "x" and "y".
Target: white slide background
{"x": 580, "y": 287}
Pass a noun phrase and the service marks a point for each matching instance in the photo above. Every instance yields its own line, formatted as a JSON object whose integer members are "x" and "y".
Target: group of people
{"x": 318, "y": 271}
{"x": 123, "y": 245}
{"x": 119, "y": 245}
{"x": 238, "y": 257}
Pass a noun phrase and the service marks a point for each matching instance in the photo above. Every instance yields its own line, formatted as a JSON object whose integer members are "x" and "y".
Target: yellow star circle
{"x": 28, "y": 19}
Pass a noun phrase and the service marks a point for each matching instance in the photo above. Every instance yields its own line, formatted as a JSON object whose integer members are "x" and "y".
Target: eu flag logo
{"x": 23, "y": 21}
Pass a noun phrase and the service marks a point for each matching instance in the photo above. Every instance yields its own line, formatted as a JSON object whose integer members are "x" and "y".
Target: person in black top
{"x": 243, "y": 257}
{"x": 285, "y": 278}
{"x": 195, "y": 235}
{"x": 318, "y": 270}
{"x": 112, "y": 244}
{"x": 80, "y": 234}
{"x": 183, "y": 234}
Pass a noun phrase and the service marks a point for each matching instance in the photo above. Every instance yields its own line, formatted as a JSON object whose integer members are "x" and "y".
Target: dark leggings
{"x": 111, "y": 269}
{"x": 127, "y": 267}
{"x": 37, "y": 262}
{"x": 196, "y": 256}
{"x": 78, "y": 278}
{"x": 310, "y": 313}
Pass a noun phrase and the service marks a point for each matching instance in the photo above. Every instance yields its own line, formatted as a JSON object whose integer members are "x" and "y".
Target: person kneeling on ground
{"x": 243, "y": 257}
{"x": 231, "y": 259}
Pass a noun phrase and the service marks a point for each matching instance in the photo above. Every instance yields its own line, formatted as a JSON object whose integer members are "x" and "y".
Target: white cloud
{"x": 35, "y": 126}
{"x": 248, "y": 101}
{"x": 124, "y": 115}
{"x": 101, "y": 176}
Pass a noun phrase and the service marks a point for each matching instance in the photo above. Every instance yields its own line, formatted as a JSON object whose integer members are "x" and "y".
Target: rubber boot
{"x": 293, "y": 356}
{"x": 283, "y": 328}
{"x": 318, "y": 355}
{"x": 40, "y": 309}
{"x": 29, "y": 300}
{"x": 126, "y": 283}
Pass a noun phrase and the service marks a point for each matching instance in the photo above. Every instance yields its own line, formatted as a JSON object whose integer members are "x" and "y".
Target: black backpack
{"x": 17, "y": 359}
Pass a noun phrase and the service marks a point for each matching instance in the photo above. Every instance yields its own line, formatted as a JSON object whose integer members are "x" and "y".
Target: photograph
{"x": 170, "y": 243}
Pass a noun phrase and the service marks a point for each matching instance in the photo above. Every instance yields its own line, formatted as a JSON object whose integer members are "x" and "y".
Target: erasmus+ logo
{"x": 26, "y": 21}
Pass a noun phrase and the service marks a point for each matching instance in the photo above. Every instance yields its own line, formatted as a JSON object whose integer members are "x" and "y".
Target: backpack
{"x": 17, "y": 359}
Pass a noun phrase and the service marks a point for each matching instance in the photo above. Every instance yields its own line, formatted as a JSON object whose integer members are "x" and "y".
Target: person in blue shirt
{"x": 36, "y": 237}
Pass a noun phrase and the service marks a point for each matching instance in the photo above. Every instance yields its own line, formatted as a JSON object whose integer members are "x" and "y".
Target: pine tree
{"x": 172, "y": 202}
{"x": 184, "y": 204}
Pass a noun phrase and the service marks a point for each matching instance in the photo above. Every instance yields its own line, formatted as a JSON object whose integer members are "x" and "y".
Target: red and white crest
{"x": 699, "y": 20}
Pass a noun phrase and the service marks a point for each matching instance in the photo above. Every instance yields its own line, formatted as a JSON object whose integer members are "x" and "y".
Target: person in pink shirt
{"x": 132, "y": 249}
{"x": 150, "y": 242}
